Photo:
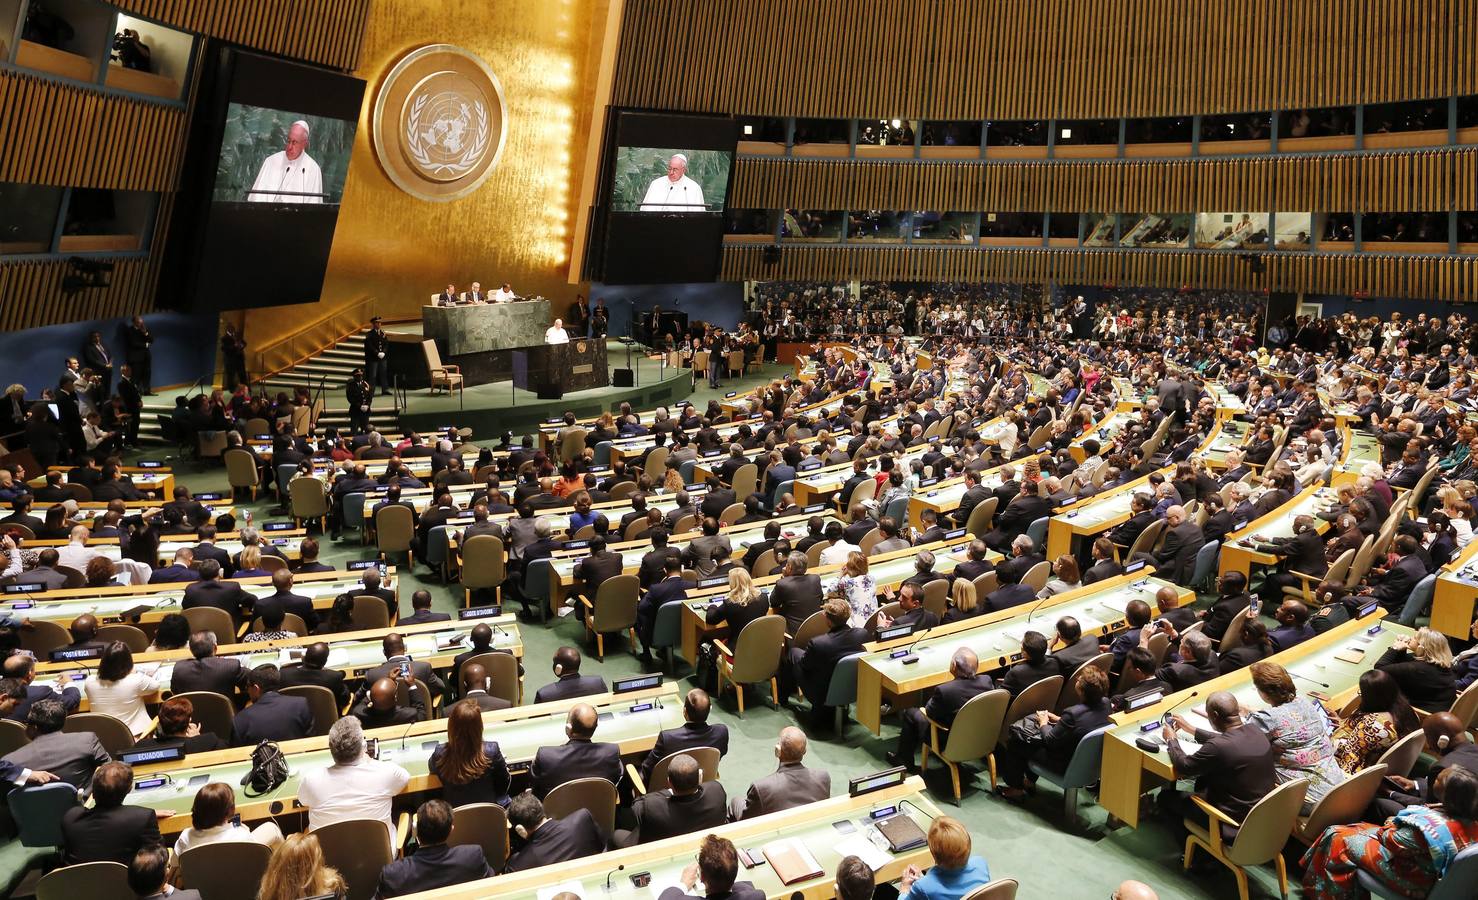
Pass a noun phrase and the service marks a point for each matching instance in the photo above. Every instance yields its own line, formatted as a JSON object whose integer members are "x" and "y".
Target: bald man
{"x": 381, "y": 707}
{"x": 1235, "y": 765}
{"x": 792, "y": 784}
{"x": 1135, "y": 890}
{"x": 578, "y": 757}
{"x": 475, "y": 688}
{"x": 944, "y": 704}
{"x": 688, "y": 804}
{"x": 84, "y": 630}
{"x": 1449, "y": 742}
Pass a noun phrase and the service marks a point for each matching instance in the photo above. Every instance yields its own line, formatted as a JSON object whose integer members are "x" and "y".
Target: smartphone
{"x": 1256, "y": 606}
{"x": 236, "y": 820}
{"x": 405, "y": 670}
{"x": 372, "y": 748}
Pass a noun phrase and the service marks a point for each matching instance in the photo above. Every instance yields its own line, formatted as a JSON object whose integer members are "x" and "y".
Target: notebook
{"x": 792, "y": 862}
{"x": 902, "y": 833}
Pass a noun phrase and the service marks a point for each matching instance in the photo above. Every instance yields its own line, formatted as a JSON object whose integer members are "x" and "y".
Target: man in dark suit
{"x": 578, "y": 757}
{"x": 1022, "y": 557}
{"x": 1103, "y": 566}
{"x": 22, "y": 514}
{"x": 45, "y": 571}
{"x": 796, "y": 595}
{"x": 1235, "y": 765}
{"x": 718, "y": 499}
{"x": 178, "y": 571}
{"x": 688, "y": 804}
{"x": 283, "y": 597}
{"x": 1395, "y": 585}
{"x": 1034, "y": 666}
{"x": 913, "y": 613}
{"x": 700, "y": 550}
{"x": 1293, "y": 625}
{"x": 975, "y": 563}
{"x": 1139, "y": 677}
{"x": 1231, "y": 601}
{"x": 1013, "y": 521}
{"x": 1137, "y": 618}
{"x": 549, "y": 841}
{"x": 671, "y": 589}
{"x": 23, "y": 669}
{"x": 812, "y": 666}
{"x": 70, "y": 757}
{"x": 380, "y": 708}
{"x": 434, "y": 864}
{"x": 975, "y": 492}
{"x": 393, "y": 646}
{"x": 206, "y": 549}
{"x": 791, "y": 785}
{"x": 421, "y": 613}
{"x": 1141, "y": 516}
{"x": 1176, "y": 558}
{"x": 205, "y": 671}
{"x": 569, "y": 682}
{"x": 271, "y": 715}
{"x": 653, "y": 567}
{"x": 1008, "y": 596}
{"x": 1303, "y": 552}
{"x": 108, "y": 831}
{"x": 482, "y": 642}
{"x": 370, "y": 582}
{"x": 944, "y": 704}
{"x": 314, "y": 670}
{"x": 475, "y": 688}
{"x": 1072, "y": 648}
{"x": 596, "y": 568}
{"x": 1197, "y": 663}
{"x": 695, "y": 732}
{"x": 211, "y": 591}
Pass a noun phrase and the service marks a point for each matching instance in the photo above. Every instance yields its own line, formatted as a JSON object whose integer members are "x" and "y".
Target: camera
{"x": 130, "y": 50}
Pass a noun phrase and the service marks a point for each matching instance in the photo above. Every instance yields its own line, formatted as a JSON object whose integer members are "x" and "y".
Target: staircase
{"x": 332, "y": 367}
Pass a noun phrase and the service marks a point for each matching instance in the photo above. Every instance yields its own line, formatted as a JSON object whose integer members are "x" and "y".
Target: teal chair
{"x": 354, "y": 513}
{"x": 898, "y": 508}
{"x": 841, "y": 692}
{"x": 436, "y": 554}
{"x": 1419, "y": 602}
{"x": 667, "y": 631}
{"x": 1082, "y": 771}
{"x": 38, "y": 812}
{"x": 1206, "y": 560}
{"x": 685, "y": 471}
{"x": 781, "y": 490}
{"x": 536, "y": 577}
{"x": 1037, "y": 531}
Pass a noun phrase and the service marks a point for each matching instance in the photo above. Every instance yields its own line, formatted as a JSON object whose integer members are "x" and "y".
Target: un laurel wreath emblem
{"x": 439, "y": 122}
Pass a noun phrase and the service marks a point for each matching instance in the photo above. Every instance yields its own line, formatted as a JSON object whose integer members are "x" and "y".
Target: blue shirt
{"x": 940, "y": 883}
{"x": 580, "y": 520}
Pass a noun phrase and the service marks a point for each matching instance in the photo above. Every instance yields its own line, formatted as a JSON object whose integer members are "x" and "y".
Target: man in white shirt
{"x": 290, "y": 170}
{"x": 504, "y": 294}
{"x": 675, "y": 191}
{"x": 76, "y": 555}
{"x": 355, "y": 786}
{"x": 556, "y": 333}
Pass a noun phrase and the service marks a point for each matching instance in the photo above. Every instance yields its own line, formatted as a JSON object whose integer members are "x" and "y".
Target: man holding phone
{"x": 399, "y": 665}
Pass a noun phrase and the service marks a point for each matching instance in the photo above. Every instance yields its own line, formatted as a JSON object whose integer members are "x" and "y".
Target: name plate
{"x": 581, "y": 370}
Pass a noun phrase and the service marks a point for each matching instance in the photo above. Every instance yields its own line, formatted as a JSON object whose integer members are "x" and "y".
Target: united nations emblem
{"x": 581, "y": 346}
{"x": 439, "y": 122}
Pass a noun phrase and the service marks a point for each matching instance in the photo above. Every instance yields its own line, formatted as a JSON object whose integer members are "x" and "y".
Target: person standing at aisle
{"x": 361, "y": 396}
{"x": 96, "y": 357}
{"x": 376, "y": 367}
{"x": 716, "y": 361}
{"x": 233, "y": 353}
{"x": 137, "y": 342}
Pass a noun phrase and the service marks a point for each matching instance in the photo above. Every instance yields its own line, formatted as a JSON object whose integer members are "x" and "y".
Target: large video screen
{"x": 665, "y": 192}
{"x": 269, "y": 160}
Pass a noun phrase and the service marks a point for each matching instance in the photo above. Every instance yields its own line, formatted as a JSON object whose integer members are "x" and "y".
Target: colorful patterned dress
{"x": 1299, "y": 731}
{"x": 1408, "y": 854}
{"x": 1360, "y": 740}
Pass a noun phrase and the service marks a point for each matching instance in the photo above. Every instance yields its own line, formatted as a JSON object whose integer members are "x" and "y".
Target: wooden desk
{"x": 520, "y": 731}
{"x": 1238, "y": 552}
{"x": 1094, "y": 515}
{"x": 1360, "y": 448}
{"x": 1456, "y": 594}
{"x": 944, "y": 497}
{"x": 665, "y": 860}
{"x": 1104, "y": 431}
{"x": 1128, "y": 771}
{"x": 996, "y": 639}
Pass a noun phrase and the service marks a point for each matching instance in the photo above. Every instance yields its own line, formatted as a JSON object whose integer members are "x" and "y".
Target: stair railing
{"x": 313, "y": 338}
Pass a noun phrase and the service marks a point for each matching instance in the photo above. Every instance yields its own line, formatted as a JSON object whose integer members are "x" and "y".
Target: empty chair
{"x": 1345, "y": 804}
{"x": 394, "y": 529}
{"x": 37, "y": 812}
{"x": 309, "y": 502}
{"x": 1259, "y": 837}
{"x": 12, "y": 736}
{"x": 321, "y": 701}
{"x": 841, "y": 691}
{"x": 981, "y": 516}
{"x": 241, "y": 471}
{"x": 594, "y": 794}
{"x": 370, "y": 612}
{"x": 359, "y": 849}
{"x": 43, "y": 637}
{"x": 613, "y": 611}
{"x": 94, "y": 879}
{"x": 483, "y": 566}
{"x": 1082, "y": 771}
{"x": 484, "y": 824}
{"x": 974, "y": 734}
{"x": 1001, "y": 888}
{"x": 755, "y": 657}
{"x": 225, "y": 870}
{"x": 136, "y": 640}
{"x": 209, "y": 618}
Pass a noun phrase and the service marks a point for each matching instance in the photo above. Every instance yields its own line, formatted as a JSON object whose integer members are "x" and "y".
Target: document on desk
{"x": 865, "y": 850}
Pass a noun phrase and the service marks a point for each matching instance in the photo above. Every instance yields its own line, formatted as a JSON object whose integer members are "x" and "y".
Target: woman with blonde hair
{"x": 250, "y": 563}
{"x": 742, "y": 605}
{"x": 297, "y": 870}
{"x": 1422, "y": 667}
{"x": 962, "y": 601}
{"x": 956, "y": 871}
{"x": 858, "y": 588}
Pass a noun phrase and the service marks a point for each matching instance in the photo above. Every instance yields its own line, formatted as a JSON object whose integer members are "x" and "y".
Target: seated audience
{"x": 435, "y": 864}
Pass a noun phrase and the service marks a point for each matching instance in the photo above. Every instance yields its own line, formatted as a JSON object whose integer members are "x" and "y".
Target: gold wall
{"x": 517, "y": 226}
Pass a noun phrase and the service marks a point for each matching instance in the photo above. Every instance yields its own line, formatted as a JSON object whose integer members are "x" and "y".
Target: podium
{"x": 551, "y": 369}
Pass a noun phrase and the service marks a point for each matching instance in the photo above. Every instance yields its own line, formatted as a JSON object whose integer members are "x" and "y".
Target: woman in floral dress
{"x": 1382, "y": 718}
{"x": 1298, "y": 728}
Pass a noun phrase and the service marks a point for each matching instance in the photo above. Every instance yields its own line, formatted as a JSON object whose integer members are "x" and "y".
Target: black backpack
{"x": 268, "y": 770}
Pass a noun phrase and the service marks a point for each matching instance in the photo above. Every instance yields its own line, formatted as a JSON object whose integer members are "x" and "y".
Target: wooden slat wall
{"x": 327, "y": 32}
{"x": 1426, "y": 181}
{"x": 32, "y": 293}
{"x": 61, "y": 134}
{"x": 1412, "y": 277}
{"x": 1032, "y": 59}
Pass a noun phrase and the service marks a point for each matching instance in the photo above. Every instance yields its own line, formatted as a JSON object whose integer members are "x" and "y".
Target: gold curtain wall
{"x": 1421, "y": 181}
{"x": 1038, "y": 59}
{"x": 1414, "y": 277}
{"x": 517, "y": 226}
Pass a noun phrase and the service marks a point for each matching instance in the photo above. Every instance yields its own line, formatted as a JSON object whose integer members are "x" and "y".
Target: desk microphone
{"x": 1309, "y": 680}
{"x": 405, "y": 735}
{"x": 610, "y": 874}
{"x": 1037, "y": 607}
{"x": 908, "y": 656}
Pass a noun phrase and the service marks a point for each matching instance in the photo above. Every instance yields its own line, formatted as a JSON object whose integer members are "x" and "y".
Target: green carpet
{"x": 1030, "y": 842}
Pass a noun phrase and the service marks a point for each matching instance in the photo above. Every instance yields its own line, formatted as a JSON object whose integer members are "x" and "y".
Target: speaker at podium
{"x": 549, "y": 370}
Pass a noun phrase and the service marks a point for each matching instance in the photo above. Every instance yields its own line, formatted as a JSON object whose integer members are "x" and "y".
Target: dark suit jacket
{"x": 1222, "y": 613}
{"x": 653, "y": 566}
{"x": 433, "y": 867}
{"x": 420, "y": 670}
{"x": 1101, "y": 570}
{"x": 1399, "y": 581}
{"x": 297, "y": 604}
{"x": 1013, "y": 569}
{"x": 1020, "y": 513}
{"x": 424, "y": 616}
{"x": 572, "y": 685}
{"x": 553, "y": 766}
{"x": 715, "y": 502}
{"x": 214, "y": 674}
{"x": 70, "y": 757}
{"x": 690, "y": 735}
{"x": 70, "y": 698}
{"x": 1125, "y": 534}
{"x": 274, "y": 717}
{"x": 594, "y": 570}
{"x": 333, "y": 679}
{"x": 1062, "y": 737}
{"x": 1234, "y": 770}
{"x": 662, "y": 814}
{"x": 795, "y": 597}
{"x": 1008, "y": 596}
{"x": 790, "y": 786}
{"x": 742, "y": 890}
{"x": 172, "y": 573}
{"x": 1024, "y": 674}
{"x": 211, "y": 551}
{"x": 226, "y": 595}
{"x": 1176, "y": 558}
{"x": 559, "y": 840}
{"x": 107, "y": 835}
{"x": 820, "y": 659}
{"x": 947, "y": 700}
{"x": 1074, "y": 655}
